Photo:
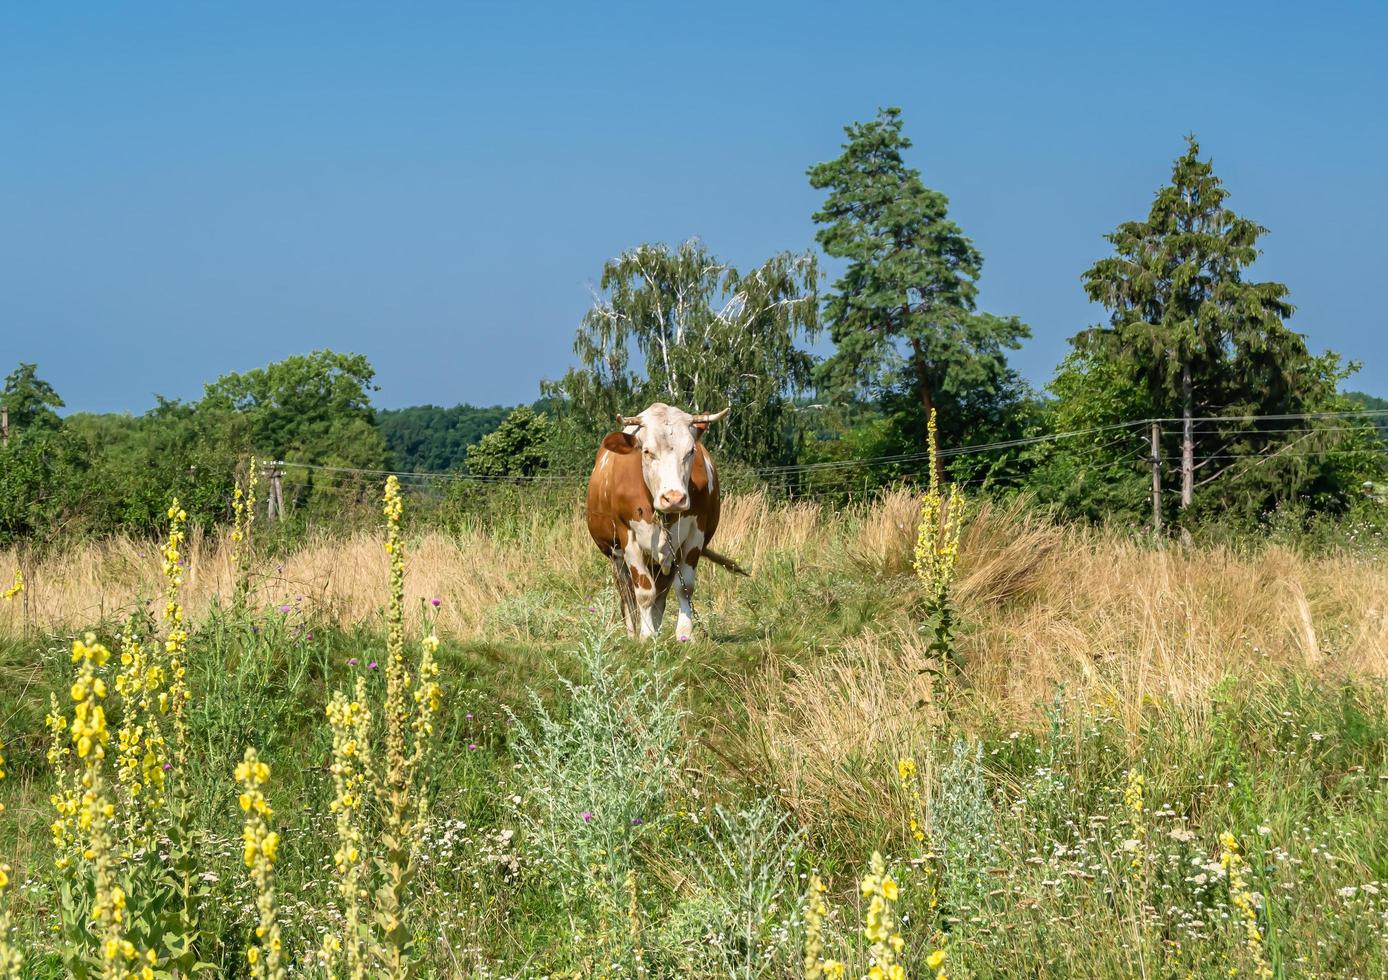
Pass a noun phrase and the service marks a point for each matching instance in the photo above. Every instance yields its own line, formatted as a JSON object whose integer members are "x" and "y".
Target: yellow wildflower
{"x": 879, "y": 925}
{"x": 260, "y": 846}
{"x": 176, "y": 636}
{"x": 1231, "y": 860}
{"x": 15, "y": 589}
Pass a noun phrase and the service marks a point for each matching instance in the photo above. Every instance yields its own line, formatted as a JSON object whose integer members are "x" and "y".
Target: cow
{"x": 653, "y": 507}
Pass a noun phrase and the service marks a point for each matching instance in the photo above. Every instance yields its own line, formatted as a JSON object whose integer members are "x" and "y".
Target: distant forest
{"x": 433, "y": 439}
{"x": 1360, "y": 400}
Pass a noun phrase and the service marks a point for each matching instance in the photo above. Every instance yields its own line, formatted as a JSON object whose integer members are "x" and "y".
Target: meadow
{"x": 1130, "y": 758}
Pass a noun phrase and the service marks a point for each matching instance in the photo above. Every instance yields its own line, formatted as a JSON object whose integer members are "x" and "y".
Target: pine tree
{"x": 1200, "y": 339}
{"x": 902, "y": 314}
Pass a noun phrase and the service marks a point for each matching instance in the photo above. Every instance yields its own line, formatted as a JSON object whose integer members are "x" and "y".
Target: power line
{"x": 887, "y": 460}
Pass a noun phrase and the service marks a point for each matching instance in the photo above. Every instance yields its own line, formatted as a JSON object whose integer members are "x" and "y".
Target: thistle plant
{"x": 937, "y": 551}
{"x": 260, "y": 845}
{"x": 1232, "y": 861}
{"x": 638, "y": 953}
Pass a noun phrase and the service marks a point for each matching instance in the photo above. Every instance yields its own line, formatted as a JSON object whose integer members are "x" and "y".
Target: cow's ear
{"x": 620, "y": 443}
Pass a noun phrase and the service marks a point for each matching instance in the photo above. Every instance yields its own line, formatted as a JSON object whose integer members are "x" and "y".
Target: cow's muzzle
{"x": 672, "y": 502}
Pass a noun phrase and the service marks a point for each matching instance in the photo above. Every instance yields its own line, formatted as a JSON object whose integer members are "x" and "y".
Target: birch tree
{"x": 682, "y": 327}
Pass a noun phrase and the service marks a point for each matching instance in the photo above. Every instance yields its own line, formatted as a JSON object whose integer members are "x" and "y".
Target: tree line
{"x": 1190, "y": 338}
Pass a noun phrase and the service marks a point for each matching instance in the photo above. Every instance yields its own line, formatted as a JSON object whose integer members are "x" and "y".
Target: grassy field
{"x": 1142, "y": 761}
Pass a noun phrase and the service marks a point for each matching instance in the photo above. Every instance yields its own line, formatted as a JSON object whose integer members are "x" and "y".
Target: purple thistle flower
{"x": 472, "y": 746}
{"x": 435, "y": 602}
{"x": 371, "y": 666}
{"x": 636, "y": 821}
{"x": 351, "y": 661}
{"x": 586, "y": 816}
{"x": 168, "y": 766}
{"x": 284, "y": 608}
{"x": 469, "y": 716}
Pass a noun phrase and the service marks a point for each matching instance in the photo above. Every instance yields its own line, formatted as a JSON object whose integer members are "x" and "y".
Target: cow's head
{"x": 665, "y": 437}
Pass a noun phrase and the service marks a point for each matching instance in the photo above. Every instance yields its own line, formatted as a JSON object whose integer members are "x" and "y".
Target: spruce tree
{"x": 1196, "y": 336}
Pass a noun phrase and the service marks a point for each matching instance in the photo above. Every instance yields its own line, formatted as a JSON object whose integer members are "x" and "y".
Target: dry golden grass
{"x": 1041, "y": 604}
{"x": 1117, "y": 621}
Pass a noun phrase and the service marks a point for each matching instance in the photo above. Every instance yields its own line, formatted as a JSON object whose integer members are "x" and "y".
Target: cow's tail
{"x": 726, "y": 562}
{"x": 626, "y": 590}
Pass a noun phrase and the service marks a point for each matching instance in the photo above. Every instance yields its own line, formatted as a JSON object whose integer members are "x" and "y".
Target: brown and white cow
{"x": 653, "y": 506}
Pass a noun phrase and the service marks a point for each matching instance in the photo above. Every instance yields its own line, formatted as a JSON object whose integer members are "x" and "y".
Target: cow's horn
{"x": 630, "y": 419}
{"x": 707, "y": 417}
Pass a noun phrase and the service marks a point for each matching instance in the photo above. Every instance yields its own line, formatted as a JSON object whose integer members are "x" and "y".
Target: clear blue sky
{"x": 193, "y": 188}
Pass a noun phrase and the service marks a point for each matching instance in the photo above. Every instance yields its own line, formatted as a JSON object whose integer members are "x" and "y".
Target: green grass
{"x": 1032, "y": 871}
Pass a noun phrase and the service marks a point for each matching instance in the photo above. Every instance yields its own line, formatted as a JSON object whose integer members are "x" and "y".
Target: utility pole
{"x": 274, "y": 500}
{"x": 1156, "y": 477}
{"x": 1187, "y": 439}
{"x": 4, "y": 425}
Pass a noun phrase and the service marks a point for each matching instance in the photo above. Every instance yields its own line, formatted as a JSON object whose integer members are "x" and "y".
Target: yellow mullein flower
{"x": 351, "y": 769}
{"x": 816, "y": 911}
{"x": 176, "y": 635}
{"x": 1134, "y": 802}
{"x": 1242, "y": 899}
{"x": 936, "y": 962}
{"x": 397, "y": 675}
{"x": 91, "y": 812}
{"x": 141, "y": 752}
{"x": 10, "y": 958}
{"x": 941, "y": 520}
{"x": 879, "y": 925}
{"x": 243, "y": 507}
{"x": 15, "y": 589}
{"x": 260, "y": 846}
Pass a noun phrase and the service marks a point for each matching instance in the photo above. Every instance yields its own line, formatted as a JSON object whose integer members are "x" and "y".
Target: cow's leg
{"x": 643, "y": 586}
{"x": 684, "y": 581}
{"x": 625, "y": 594}
{"x": 658, "y": 607}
